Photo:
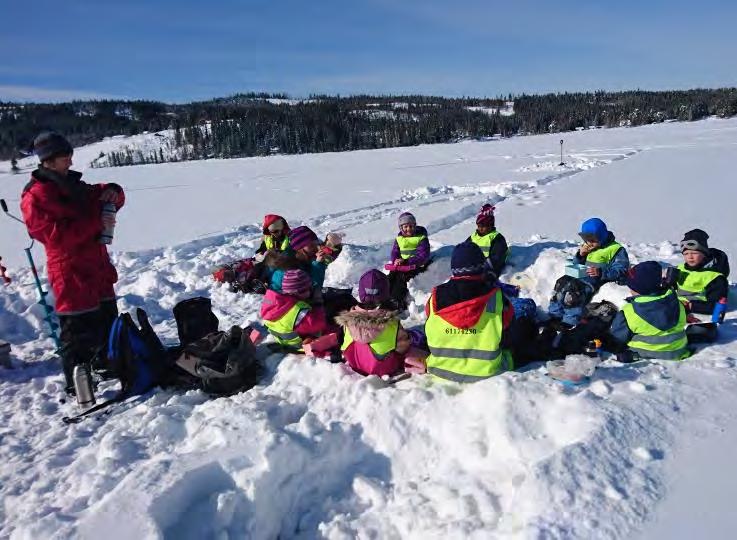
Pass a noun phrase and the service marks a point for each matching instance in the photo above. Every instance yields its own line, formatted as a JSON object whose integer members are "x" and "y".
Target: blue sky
{"x": 183, "y": 50}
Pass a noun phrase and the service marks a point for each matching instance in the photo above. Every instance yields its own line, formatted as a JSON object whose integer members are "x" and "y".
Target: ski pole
{"x": 49, "y": 318}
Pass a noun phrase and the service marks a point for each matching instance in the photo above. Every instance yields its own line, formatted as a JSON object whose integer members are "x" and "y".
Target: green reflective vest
{"x": 467, "y": 354}
{"x": 408, "y": 245}
{"x": 270, "y": 244}
{"x": 693, "y": 283}
{"x": 283, "y": 328}
{"x": 602, "y": 257}
{"x": 650, "y": 342}
{"x": 484, "y": 242}
{"x": 382, "y": 345}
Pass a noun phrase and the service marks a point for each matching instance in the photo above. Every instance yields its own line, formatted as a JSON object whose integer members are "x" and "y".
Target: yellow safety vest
{"x": 693, "y": 283}
{"x": 467, "y": 354}
{"x": 283, "y": 328}
{"x": 484, "y": 242}
{"x": 602, "y": 257}
{"x": 269, "y": 243}
{"x": 408, "y": 245}
{"x": 382, "y": 345}
{"x": 651, "y": 342}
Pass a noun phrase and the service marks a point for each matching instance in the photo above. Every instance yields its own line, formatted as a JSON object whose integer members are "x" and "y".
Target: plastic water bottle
{"x": 107, "y": 233}
{"x": 720, "y": 309}
{"x": 83, "y": 386}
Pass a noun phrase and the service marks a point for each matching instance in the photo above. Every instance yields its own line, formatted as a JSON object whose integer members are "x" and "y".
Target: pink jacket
{"x": 310, "y": 322}
{"x": 365, "y": 326}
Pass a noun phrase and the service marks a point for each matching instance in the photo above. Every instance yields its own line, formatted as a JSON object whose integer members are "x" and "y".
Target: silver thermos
{"x": 107, "y": 233}
{"x": 83, "y": 386}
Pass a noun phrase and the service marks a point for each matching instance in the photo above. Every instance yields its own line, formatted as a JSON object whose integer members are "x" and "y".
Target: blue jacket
{"x": 662, "y": 314}
{"x": 615, "y": 271}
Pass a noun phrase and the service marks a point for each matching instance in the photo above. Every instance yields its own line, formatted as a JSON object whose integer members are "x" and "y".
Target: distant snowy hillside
{"x": 644, "y": 450}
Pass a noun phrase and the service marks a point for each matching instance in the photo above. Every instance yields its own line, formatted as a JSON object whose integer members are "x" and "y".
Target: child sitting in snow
{"x": 652, "y": 323}
{"x": 287, "y": 314}
{"x": 411, "y": 250}
{"x": 331, "y": 247}
{"x": 606, "y": 261}
{"x": 303, "y": 253}
{"x": 276, "y": 231}
{"x": 492, "y": 243}
{"x": 702, "y": 277}
{"x": 375, "y": 342}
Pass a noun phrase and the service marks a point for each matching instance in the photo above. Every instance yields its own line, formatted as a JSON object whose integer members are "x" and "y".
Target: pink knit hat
{"x": 296, "y": 283}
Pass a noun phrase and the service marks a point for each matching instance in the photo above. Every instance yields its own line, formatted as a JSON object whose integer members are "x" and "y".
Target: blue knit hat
{"x": 645, "y": 278}
{"x": 595, "y": 227}
{"x": 467, "y": 260}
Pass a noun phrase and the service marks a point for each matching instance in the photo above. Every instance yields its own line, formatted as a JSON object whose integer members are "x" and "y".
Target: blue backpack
{"x": 135, "y": 355}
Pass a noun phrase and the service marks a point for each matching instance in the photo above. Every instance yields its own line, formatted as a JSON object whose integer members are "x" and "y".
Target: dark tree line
{"x": 261, "y": 124}
{"x": 566, "y": 112}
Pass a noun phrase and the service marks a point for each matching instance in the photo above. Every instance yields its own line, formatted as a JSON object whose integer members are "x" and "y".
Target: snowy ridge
{"x": 318, "y": 451}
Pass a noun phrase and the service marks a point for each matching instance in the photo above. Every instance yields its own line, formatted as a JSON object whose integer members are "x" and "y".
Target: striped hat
{"x": 301, "y": 236}
{"x": 406, "y": 217}
{"x": 467, "y": 259}
{"x": 296, "y": 283}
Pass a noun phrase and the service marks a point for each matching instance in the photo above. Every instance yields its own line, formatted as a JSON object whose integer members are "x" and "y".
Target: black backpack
{"x": 195, "y": 319}
{"x": 220, "y": 363}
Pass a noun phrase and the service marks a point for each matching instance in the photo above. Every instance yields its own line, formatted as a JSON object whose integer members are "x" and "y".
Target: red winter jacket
{"x": 64, "y": 214}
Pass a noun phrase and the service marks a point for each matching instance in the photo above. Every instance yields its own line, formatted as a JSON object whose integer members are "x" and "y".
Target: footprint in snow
{"x": 647, "y": 454}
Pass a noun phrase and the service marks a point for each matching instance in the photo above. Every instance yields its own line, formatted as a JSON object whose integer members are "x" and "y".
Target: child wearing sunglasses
{"x": 276, "y": 234}
{"x": 702, "y": 277}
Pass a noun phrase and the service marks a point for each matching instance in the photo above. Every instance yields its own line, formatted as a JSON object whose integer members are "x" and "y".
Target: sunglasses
{"x": 690, "y": 244}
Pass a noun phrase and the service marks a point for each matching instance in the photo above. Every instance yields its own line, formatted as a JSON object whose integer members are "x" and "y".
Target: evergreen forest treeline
{"x": 256, "y": 124}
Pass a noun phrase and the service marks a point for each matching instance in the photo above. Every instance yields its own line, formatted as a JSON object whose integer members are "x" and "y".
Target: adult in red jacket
{"x": 65, "y": 215}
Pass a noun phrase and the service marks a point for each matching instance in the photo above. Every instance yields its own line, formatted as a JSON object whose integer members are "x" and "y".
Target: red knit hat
{"x": 486, "y": 215}
{"x": 273, "y": 219}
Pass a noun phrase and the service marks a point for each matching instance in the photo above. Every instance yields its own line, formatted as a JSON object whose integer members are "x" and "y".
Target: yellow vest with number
{"x": 283, "y": 328}
{"x": 651, "y": 342}
{"x": 467, "y": 354}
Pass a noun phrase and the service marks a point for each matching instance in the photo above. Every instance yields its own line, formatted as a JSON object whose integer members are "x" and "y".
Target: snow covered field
{"x": 316, "y": 450}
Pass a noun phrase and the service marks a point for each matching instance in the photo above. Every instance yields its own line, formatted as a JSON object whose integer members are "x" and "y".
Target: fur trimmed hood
{"x": 365, "y": 325}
